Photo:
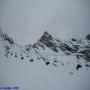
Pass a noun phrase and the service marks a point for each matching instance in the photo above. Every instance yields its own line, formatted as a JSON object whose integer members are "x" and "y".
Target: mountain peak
{"x": 49, "y": 41}
{"x": 5, "y": 37}
{"x": 47, "y": 35}
{"x": 88, "y": 37}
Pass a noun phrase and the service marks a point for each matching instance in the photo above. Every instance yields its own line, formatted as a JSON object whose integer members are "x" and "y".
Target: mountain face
{"x": 49, "y": 41}
{"x": 9, "y": 46}
{"x": 88, "y": 37}
{"x": 5, "y": 37}
{"x": 49, "y": 50}
{"x": 80, "y": 48}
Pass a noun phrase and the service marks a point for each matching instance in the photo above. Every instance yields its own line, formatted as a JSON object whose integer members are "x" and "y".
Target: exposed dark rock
{"x": 6, "y": 37}
{"x": 55, "y": 61}
{"x": 48, "y": 40}
{"x": 85, "y": 54}
{"x": 7, "y": 50}
{"x": 73, "y": 39}
{"x": 78, "y": 66}
{"x": 71, "y": 73}
{"x": 47, "y": 62}
{"x": 15, "y": 54}
{"x": 35, "y": 46}
{"x": 40, "y": 45}
{"x": 87, "y": 65}
{"x": 28, "y": 47}
{"x": 31, "y": 60}
{"x": 54, "y": 64}
{"x": 22, "y": 58}
{"x": 88, "y": 37}
{"x": 76, "y": 47}
{"x": 78, "y": 56}
{"x": 66, "y": 47}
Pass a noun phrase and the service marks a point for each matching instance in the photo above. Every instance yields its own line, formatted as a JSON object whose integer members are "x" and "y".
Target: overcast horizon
{"x": 26, "y": 20}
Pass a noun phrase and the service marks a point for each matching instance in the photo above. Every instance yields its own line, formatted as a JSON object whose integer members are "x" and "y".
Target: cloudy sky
{"x": 26, "y": 20}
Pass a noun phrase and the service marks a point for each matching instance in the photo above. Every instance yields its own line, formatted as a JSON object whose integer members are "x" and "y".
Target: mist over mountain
{"x": 50, "y": 50}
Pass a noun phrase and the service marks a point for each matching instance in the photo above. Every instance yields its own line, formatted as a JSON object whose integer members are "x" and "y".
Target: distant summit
{"x": 46, "y": 36}
{"x": 5, "y": 37}
{"x": 88, "y": 37}
{"x": 49, "y": 41}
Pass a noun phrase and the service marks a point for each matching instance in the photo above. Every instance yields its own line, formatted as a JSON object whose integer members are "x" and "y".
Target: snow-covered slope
{"x": 50, "y": 50}
{"x": 10, "y": 47}
{"x": 45, "y": 67}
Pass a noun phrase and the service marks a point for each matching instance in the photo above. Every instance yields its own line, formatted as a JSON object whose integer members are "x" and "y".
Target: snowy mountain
{"x": 72, "y": 54}
{"x": 9, "y": 46}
